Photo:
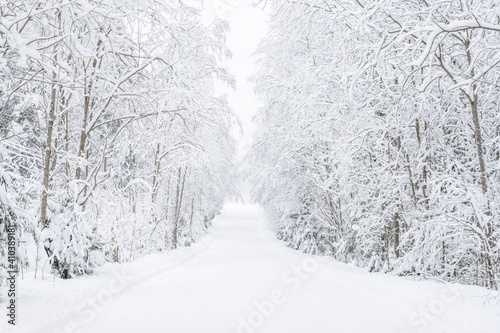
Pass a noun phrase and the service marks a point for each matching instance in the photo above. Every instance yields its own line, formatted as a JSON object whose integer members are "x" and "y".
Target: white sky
{"x": 248, "y": 27}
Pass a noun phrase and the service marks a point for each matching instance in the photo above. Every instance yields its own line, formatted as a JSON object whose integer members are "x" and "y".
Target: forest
{"x": 379, "y": 134}
{"x": 378, "y": 139}
{"x": 113, "y": 142}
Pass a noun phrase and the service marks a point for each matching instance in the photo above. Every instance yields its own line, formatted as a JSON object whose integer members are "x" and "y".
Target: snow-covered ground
{"x": 239, "y": 278}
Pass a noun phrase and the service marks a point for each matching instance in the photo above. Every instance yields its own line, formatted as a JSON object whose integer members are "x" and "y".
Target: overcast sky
{"x": 248, "y": 27}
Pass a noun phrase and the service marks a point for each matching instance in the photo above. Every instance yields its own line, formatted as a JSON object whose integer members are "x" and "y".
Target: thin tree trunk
{"x": 48, "y": 153}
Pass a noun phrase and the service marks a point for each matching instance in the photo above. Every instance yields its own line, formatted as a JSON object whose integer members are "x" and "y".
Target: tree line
{"x": 113, "y": 141}
{"x": 380, "y": 131}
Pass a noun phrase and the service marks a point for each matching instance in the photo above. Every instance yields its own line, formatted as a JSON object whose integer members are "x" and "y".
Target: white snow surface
{"x": 239, "y": 278}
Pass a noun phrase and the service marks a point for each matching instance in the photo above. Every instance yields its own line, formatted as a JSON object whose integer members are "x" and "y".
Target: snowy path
{"x": 246, "y": 281}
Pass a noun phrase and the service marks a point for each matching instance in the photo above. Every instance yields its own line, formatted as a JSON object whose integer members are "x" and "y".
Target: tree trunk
{"x": 48, "y": 153}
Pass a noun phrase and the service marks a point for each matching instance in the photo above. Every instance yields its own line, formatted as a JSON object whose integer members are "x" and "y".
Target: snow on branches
{"x": 110, "y": 120}
{"x": 379, "y": 140}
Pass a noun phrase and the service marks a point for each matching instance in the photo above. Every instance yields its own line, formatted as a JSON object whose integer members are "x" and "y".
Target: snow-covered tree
{"x": 109, "y": 108}
{"x": 379, "y": 133}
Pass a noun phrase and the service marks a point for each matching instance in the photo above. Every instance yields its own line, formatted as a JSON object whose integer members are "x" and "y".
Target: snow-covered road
{"x": 244, "y": 280}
